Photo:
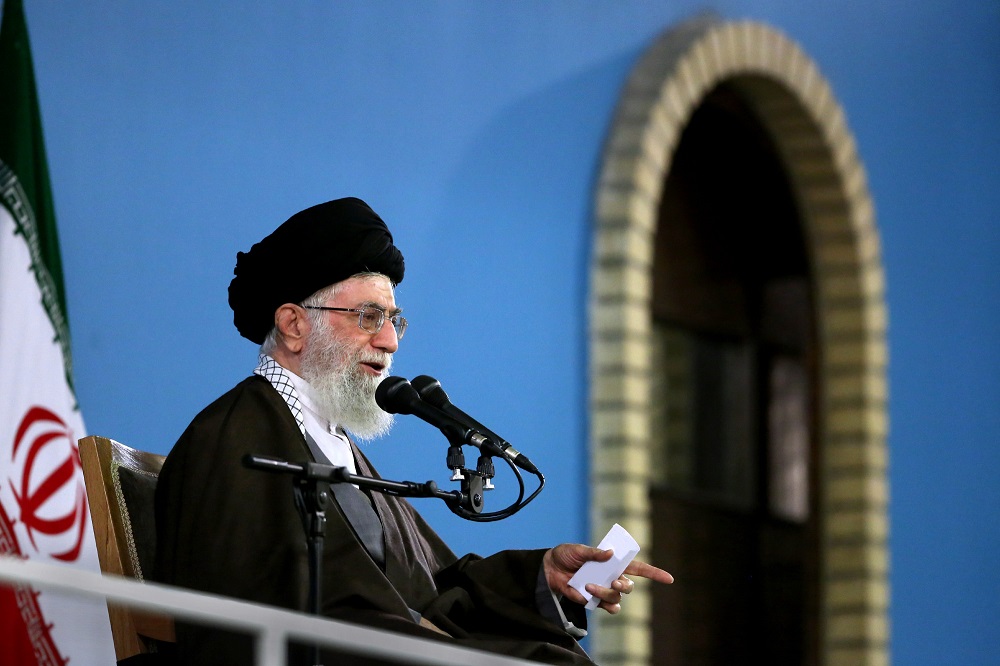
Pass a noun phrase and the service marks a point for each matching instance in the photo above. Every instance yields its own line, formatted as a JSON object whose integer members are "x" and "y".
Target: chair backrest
{"x": 121, "y": 488}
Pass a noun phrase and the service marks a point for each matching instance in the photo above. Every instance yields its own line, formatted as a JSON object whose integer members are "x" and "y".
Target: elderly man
{"x": 318, "y": 296}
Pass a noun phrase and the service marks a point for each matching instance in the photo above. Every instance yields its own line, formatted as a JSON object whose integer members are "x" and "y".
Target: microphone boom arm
{"x": 313, "y": 471}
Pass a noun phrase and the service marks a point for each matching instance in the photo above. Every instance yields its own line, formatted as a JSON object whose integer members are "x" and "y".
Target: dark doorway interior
{"x": 734, "y": 402}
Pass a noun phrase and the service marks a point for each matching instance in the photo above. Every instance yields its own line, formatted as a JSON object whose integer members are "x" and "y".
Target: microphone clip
{"x": 456, "y": 462}
{"x": 474, "y": 483}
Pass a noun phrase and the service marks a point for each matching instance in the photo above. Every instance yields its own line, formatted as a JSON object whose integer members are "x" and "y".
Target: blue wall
{"x": 181, "y": 132}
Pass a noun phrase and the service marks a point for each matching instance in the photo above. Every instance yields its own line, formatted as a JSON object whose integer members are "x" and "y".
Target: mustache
{"x": 383, "y": 359}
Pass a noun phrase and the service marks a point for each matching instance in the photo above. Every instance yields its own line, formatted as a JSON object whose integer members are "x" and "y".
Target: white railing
{"x": 272, "y": 627}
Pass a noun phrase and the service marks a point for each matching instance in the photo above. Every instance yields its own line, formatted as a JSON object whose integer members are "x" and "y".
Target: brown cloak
{"x": 228, "y": 530}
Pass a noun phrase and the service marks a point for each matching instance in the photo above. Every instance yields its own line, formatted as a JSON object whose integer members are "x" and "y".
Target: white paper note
{"x": 605, "y": 573}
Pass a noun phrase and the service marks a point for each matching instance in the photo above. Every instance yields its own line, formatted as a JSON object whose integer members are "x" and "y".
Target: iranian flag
{"x": 43, "y": 504}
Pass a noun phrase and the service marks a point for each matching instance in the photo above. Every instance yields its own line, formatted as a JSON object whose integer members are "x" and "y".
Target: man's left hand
{"x": 561, "y": 562}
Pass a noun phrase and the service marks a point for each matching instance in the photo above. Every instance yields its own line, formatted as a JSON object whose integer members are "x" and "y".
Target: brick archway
{"x": 798, "y": 108}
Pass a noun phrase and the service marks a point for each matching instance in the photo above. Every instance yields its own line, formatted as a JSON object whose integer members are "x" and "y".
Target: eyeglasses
{"x": 370, "y": 318}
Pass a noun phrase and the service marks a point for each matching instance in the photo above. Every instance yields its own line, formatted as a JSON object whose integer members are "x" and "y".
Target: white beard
{"x": 345, "y": 394}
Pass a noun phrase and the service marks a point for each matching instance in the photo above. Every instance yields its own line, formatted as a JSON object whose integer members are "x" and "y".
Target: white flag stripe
{"x": 41, "y": 482}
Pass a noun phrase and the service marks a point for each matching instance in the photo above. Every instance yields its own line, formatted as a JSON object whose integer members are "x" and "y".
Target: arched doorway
{"x": 738, "y": 358}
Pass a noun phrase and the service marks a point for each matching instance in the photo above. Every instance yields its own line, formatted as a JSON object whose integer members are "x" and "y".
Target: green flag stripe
{"x": 24, "y": 176}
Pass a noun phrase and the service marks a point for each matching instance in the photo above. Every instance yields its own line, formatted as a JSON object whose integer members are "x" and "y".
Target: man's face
{"x": 356, "y": 293}
{"x": 344, "y": 363}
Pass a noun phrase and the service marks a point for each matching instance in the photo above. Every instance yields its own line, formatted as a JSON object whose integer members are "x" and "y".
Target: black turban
{"x": 313, "y": 249}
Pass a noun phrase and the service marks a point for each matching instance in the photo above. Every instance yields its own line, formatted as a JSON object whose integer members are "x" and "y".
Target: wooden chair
{"x": 121, "y": 487}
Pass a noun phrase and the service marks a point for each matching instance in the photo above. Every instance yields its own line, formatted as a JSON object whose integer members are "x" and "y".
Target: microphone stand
{"x": 467, "y": 503}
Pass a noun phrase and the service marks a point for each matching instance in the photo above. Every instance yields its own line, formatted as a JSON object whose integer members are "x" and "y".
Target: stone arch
{"x": 798, "y": 108}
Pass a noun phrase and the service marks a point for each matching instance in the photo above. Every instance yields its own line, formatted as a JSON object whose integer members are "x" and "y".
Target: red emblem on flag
{"x": 27, "y": 635}
{"x": 52, "y": 498}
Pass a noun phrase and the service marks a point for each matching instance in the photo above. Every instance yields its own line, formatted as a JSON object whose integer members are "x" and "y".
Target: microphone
{"x": 395, "y": 396}
{"x": 430, "y": 391}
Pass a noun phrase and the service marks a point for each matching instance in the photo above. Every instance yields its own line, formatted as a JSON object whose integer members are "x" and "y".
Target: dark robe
{"x": 229, "y": 530}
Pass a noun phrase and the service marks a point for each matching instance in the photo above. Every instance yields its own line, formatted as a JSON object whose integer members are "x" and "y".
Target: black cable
{"x": 511, "y": 509}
